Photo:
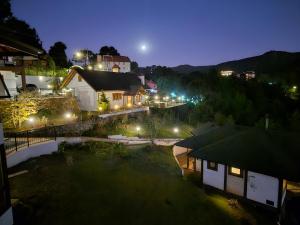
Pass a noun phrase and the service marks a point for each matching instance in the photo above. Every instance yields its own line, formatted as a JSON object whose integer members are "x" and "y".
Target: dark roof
{"x": 272, "y": 153}
{"x": 9, "y": 46}
{"x": 114, "y": 58}
{"x": 103, "y": 80}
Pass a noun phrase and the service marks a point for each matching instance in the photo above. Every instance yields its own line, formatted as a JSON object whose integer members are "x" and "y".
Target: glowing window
{"x": 117, "y": 96}
{"x": 235, "y": 171}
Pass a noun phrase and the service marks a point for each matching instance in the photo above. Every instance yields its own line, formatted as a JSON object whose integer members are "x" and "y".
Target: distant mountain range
{"x": 272, "y": 62}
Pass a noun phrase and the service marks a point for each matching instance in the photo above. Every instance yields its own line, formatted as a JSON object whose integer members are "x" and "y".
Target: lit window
{"x": 212, "y": 165}
{"x": 117, "y": 96}
{"x": 235, "y": 171}
{"x": 116, "y": 70}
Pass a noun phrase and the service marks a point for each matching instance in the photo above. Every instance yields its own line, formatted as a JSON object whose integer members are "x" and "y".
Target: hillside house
{"x": 111, "y": 63}
{"x": 252, "y": 163}
{"x": 121, "y": 89}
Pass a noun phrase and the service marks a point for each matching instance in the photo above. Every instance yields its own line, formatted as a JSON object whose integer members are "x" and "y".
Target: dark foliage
{"x": 58, "y": 54}
{"x": 108, "y": 50}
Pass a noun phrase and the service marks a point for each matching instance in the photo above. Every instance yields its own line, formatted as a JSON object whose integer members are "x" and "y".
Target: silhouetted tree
{"x": 108, "y": 50}
{"x": 58, "y": 54}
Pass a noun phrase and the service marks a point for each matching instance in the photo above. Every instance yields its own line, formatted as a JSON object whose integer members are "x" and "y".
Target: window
{"x": 79, "y": 78}
{"x": 235, "y": 171}
{"x": 116, "y": 70}
{"x": 117, "y": 96}
{"x": 212, "y": 165}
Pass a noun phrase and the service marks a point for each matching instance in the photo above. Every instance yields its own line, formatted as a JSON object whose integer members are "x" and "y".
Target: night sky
{"x": 196, "y": 32}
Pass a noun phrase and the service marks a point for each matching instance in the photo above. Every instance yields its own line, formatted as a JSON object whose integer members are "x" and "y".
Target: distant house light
{"x": 226, "y": 73}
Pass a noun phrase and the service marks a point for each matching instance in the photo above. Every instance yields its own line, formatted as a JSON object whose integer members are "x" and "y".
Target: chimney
{"x": 267, "y": 122}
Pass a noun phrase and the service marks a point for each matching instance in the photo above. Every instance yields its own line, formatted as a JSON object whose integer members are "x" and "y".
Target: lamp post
{"x": 138, "y": 128}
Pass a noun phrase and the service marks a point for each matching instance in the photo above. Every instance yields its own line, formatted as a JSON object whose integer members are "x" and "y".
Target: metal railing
{"x": 14, "y": 141}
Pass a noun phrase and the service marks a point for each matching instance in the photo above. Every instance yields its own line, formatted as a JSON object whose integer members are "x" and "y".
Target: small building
{"x": 121, "y": 89}
{"x": 255, "y": 164}
{"x": 247, "y": 75}
{"x": 113, "y": 63}
{"x": 226, "y": 73}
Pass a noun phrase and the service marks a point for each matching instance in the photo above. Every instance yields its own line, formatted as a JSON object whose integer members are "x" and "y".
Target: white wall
{"x": 7, "y": 217}
{"x": 86, "y": 95}
{"x": 32, "y": 151}
{"x": 112, "y": 102}
{"x": 177, "y": 150}
{"x": 235, "y": 185}
{"x": 261, "y": 188}
{"x": 10, "y": 80}
{"x": 212, "y": 177}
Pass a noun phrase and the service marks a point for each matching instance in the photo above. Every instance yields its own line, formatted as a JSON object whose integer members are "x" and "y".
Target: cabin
{"x": 259, "y": 165}
{"x": 121, "y": 89}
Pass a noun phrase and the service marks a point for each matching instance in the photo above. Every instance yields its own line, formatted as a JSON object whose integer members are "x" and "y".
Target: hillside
{"x": 272, "y": 62}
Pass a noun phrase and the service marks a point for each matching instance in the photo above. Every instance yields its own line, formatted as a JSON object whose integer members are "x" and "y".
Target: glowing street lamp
{"x": 90, "y": 67}
{"x": 78, "y": 54}
{"x": 100, "y": 66}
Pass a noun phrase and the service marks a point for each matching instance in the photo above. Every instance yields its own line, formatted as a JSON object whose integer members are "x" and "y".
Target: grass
{"x": 104, "y": 183}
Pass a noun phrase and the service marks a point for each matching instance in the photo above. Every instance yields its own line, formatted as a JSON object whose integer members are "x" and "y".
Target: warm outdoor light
{"x": 176, "y": 130}
{"x": 116, "y": 107}
{"x": 129, "y": 105}
{"x": 31, "y": 119}
{"x": 139, "y": 103}
{"x": 167, "y": 98}
{"x": 156, "y": 97}
{"x": 100, "y": 108}
{"x": 294, "y": 87}
{"x": 90, "y": 67}
{"x": 100, "y": 66}
{"x": 41, "y": 78}
{"x": 68, "y": 115}
{"x": 138, "y": 128}
{"x": 146, "y": 97}
{"x": 78, "y": 54}
{"x": 49, "y": 86}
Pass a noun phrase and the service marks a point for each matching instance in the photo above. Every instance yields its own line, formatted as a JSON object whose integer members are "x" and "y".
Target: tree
{"x": 108, "y": 50}
{"x": 103, "y": 103}
{"x": 20, "y": 110}
{"x": 5, "y": 10}
{"x": 21, "y": 31}
{"x": 58, "y": 54}
{"x": 134, "y": 66}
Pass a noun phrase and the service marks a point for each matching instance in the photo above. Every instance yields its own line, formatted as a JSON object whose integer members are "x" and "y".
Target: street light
{"x": 90, "y": 67}
{"x": 78, "y": 54}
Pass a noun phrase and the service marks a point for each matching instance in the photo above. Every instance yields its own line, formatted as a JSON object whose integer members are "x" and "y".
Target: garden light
{"x": 100, "y": 66}
{"x": 49, "y": 86}
{"x": 116, "y": 107}
{"x": 90, "y": 67}
{"x": 68, "y": 115}
{"x": 41, "y": 78}
{"x": 31, "y": 119}
{"x": 138, "y": 128}
{"x": 156, "y": 97}
{"x": 100, "y": 108}
{"x": 294, "y": 87}
{"x": 175, "y": 130}
{"x": 129, "y": 105}
{"x": 139, "y": 103}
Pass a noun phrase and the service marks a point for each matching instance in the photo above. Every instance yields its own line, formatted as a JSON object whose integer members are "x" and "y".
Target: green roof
{"x": 272, "y": 153}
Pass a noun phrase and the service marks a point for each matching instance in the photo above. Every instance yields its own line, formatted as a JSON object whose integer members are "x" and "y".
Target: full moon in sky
{"x": 143, "y": 47}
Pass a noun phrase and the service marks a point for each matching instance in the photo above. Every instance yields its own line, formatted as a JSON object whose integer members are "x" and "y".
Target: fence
{"x": 13, "y": 141}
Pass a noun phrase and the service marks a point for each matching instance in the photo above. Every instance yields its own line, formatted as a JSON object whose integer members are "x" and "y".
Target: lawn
{"x": 104, "y": 183}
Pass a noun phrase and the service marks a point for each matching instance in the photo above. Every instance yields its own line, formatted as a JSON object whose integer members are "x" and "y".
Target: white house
{"x": 254, "y": 164}
{"x": 121, "y": 89}
{"x": 111, "y": 63}
{"x": 14, "y": 81}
